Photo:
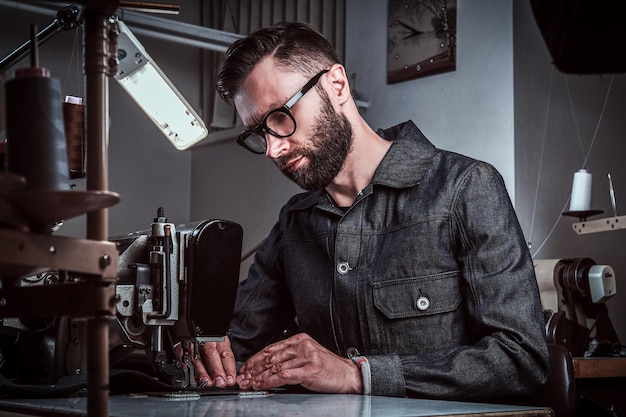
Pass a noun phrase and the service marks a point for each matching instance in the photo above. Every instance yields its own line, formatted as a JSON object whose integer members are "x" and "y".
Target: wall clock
{"x": 421, "y": 38}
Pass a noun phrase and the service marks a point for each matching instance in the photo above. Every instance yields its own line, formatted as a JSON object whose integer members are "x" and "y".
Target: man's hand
{"x": 300, "y": 360}
{"x": 214, "y": 366}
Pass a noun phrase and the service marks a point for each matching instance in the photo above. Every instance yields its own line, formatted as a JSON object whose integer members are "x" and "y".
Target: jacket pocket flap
{"x": 419, "y": 296}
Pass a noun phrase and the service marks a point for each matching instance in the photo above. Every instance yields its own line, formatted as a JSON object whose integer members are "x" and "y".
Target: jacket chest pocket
{"x": 419, "y": 314}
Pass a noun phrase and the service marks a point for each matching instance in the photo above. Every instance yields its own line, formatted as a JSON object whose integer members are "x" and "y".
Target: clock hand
{"x": 411, "y": 35}
{"x": 414, "y": 32}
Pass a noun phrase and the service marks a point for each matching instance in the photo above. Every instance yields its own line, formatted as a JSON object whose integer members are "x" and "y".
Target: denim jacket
{"x": 427, "y": 275}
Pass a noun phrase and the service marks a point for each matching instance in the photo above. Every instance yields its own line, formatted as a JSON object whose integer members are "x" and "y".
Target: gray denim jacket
{"x": 427, "y": 275}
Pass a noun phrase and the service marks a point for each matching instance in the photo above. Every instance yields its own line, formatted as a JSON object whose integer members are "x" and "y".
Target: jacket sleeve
{"x": 263, "y": 308}
{"x": 508, "y": 359}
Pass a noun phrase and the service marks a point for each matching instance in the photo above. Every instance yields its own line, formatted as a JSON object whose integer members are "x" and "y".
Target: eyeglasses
{"x": 278, "y": 122}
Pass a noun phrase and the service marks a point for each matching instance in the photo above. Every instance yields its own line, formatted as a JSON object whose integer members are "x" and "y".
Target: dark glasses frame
{"x": 254, "y": 139}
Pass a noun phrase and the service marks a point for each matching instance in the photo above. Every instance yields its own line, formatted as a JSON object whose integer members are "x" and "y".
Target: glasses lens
{"x": 253, "y": 142}
{"x": 280, "y": 123}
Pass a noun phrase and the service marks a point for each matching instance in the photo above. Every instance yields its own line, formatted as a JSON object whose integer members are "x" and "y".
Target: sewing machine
{"x": 573, "y": 295}
{"x": 175, "y": 284}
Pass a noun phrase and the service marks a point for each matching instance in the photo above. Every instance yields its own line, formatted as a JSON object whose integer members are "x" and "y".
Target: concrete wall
{"x": 564, "y": 123}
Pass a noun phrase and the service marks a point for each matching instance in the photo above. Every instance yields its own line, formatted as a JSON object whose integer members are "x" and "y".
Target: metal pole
{"x": 97, "y": 110}
{"x": 25, "y": 48}
{"x": 66, "y": 20}
{"x": 97, "y": 39}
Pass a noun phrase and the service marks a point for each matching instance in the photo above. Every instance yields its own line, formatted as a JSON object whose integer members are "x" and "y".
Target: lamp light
{"x": 155, "y": 94}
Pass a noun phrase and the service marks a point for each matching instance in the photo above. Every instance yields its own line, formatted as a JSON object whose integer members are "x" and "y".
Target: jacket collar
{"x": 405, "y": 164}
{"x": 408, "y": 158}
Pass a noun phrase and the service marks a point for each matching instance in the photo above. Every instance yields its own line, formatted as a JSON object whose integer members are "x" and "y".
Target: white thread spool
{"x": 581, "y": 191}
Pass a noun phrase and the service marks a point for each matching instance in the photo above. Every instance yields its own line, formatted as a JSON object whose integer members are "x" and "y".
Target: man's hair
{"x": 294, "y": 46}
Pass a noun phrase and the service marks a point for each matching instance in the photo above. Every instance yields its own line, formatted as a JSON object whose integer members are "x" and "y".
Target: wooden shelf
{"x": 599, "y": 367}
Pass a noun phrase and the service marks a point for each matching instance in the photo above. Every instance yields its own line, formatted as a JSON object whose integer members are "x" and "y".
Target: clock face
{"x": 421, "y": 38}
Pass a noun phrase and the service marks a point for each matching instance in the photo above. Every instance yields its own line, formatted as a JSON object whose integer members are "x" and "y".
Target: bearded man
{"x": 403, "y": 265}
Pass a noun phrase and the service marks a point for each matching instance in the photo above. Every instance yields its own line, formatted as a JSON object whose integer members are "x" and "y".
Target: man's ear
{"x": 339, "y": 84}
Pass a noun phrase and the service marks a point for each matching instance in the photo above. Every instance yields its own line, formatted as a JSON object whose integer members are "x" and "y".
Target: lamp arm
{"x": 67, "y": 19}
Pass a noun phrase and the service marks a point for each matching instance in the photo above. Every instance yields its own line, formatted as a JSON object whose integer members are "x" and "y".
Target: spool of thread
{"x": 35, "y": 146}
{"x": 581, "y": 191}
{"x": 74, "y": 121}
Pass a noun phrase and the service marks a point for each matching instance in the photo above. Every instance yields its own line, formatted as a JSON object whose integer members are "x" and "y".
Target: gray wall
{"x": 560, "y": 122}
{"x": 233, "y": 184}
{"x": 469, "y": 110}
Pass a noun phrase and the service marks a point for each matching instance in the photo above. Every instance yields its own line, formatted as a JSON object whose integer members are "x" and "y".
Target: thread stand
{"x": 606, "y": 224}
{"x": 582, "y": 214}
{"x": 10, "y": 182}
{"x": 47, "y": 207}
{"x": 94, "y": 259}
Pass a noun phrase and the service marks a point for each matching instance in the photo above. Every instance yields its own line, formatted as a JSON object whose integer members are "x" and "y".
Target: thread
{"x": 581, "y": 191}
{"x": 74, "y": 121}
{"x": 35, "y": 145}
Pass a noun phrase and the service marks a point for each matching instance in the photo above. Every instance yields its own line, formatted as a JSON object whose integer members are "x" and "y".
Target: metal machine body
{"x": 175, "y": 284}
{"x": 573, "y": 294}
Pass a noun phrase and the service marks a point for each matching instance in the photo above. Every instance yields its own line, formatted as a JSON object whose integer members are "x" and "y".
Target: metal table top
{"x": 265, "y": 404}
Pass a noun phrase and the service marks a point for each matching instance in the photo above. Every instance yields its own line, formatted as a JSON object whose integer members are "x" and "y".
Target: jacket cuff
{"x": 386, "y": 374}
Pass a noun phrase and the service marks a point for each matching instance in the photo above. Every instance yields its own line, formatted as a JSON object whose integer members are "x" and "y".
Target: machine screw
{"x": 49, "y": 279}
{"x": 105, "y": 261}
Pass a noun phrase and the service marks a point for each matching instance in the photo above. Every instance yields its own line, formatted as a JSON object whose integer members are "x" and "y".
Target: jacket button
{"x": 352, "y": 352}
{"x": 422, "y": 303}
{"x": 343, "y": 268}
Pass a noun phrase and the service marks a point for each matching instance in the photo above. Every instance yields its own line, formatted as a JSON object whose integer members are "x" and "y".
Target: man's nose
{"x": 275, "y": 146}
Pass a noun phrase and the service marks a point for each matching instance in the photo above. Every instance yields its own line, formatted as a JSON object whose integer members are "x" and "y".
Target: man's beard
{"x": 326, "y": 151}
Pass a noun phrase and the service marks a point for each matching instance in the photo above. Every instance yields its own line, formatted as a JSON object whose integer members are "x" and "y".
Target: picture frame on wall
{"x": 421, "y": 38}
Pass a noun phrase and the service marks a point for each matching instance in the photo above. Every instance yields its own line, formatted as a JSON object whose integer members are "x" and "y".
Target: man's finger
{"x": 213, "y": 360}
{"x": 268, "y": 358}
{"x": 228, "y": 362}
{"x": 203, "y": 378}
{"x": 219, "y": 361}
